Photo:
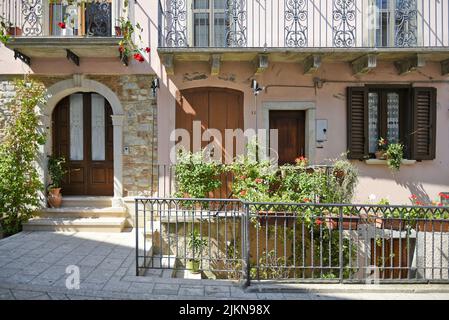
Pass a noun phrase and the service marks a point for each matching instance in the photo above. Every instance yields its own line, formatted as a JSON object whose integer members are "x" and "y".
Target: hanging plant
{"x": 395, "y": 154}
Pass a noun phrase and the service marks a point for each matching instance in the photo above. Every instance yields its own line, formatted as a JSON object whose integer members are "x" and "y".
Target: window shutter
{"x": 357, "y": 123}
{"x": 424, "y": 124}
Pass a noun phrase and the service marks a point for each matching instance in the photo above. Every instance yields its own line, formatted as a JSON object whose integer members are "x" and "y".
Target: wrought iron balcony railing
{"x": 33, "y": 18}
{"x": 303, "y": 23}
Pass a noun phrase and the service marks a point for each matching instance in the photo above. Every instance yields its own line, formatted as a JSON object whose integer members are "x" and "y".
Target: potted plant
{"x": 196, "y": 244}
{"x": 395, "y": 154}
{"x": 382, "y": 146}
{"x": 56, "y": 172}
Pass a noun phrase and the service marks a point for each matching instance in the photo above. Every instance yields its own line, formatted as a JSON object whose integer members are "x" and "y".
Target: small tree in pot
{"x": 196, "y": 244}
{"x": 56, "y": 171}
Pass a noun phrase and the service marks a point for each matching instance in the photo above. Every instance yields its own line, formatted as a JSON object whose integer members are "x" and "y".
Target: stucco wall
{"x": 425, "y": 179}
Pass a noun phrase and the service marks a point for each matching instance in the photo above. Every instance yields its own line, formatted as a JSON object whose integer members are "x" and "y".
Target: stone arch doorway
{"x": 83, "y": 134}
{"x": 77, "y": 84}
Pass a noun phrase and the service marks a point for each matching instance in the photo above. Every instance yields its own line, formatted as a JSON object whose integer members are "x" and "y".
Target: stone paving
{"x": 33, "y": 266}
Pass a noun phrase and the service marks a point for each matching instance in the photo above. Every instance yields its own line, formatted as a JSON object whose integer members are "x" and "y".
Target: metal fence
{"x": 294, "y": 242}
{"x": 304, "y": 24}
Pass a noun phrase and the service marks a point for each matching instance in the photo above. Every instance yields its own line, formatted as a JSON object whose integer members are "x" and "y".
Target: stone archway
{"x": 79, "y": 84}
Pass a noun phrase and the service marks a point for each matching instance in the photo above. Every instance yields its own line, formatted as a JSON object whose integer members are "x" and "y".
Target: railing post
{"x": 340, "y": 242}
{"x": 136, "y": 205}
{"x": 246, "y": 246}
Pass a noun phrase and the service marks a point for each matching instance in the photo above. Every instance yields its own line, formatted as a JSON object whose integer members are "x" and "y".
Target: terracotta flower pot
{"x": 381, "y": 155}
{"x": 348, "y": 222}
{"x": 433, "y": 226}
{"x": 54, "y": 197}
{"x": 14, "y": 31}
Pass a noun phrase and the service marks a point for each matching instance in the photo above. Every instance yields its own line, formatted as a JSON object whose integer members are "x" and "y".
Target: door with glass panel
{"x": 210, "y": 22}
{"x": 81, "y": 18}
{"x": 83, "y": 134}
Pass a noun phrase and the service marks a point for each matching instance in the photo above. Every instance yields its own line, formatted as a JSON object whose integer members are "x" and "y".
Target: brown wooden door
{"x": 83, "y": 134}
{"x": 291, "y": 134}
{"x": 216, "y": 108}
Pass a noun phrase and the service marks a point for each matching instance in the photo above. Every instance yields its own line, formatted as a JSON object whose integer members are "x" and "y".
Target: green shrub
{"x": 19, "y": 178}
{"x": 56, "y": 171}
{"x": 195, "y": 176}
{"x": 395, "y": 154}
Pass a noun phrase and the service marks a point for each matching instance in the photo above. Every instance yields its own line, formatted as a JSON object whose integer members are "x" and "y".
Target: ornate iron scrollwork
{"x": 32, "y": 17}
{"x": 98, "y": 19}
{"x": 295, "y": 23}
{"x": 344, "y": 21}
{"x": 176, "y": 19}
{"x": 236, "y": 32}
{"x": 405, "y": 23}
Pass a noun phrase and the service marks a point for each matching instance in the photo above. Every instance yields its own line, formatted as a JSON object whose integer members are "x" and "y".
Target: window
{"x": 396, "y": 113}
{"x": 210, "y": 23}
{"x": 396, "y": 23}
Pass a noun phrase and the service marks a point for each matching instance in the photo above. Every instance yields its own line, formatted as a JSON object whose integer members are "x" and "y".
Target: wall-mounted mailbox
{"x": 321, "y": 130}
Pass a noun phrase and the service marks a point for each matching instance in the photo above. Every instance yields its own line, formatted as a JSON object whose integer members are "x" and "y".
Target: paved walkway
{"x": 33, "y": 266}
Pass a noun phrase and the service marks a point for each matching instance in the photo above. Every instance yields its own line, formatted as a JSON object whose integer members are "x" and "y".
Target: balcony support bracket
{"x": 261, "y": 63}
{"x": 169, "y": 62}
{"x": 215, "y": 64}
{"x": 73, "y": 57}
{"x": 312, "y": 64}
{"x": 364, "y": 64}
{"x": 21, "y": 56}
{"x": 445, "y": 67}
{"x": 411, "y": 64}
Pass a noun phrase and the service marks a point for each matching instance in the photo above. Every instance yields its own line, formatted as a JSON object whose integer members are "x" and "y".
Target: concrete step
{"x": 82, "y": 212}
{"x": 67, "y": 224}
{"x": 86, "y": 201}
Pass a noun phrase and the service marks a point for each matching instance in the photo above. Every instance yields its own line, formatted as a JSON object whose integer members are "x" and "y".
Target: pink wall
{"x": 426, "y": 179}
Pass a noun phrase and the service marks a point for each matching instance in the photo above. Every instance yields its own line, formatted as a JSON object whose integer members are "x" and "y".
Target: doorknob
{"x": 75, "y": 170}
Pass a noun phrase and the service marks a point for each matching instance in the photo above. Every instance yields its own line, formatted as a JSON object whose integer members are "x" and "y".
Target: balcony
{"x": 58, "y": 29}
{"x": 408, "y": 31}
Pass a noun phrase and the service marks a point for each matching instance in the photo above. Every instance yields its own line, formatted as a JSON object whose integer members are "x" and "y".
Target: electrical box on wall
{"x": 321, "y": 130}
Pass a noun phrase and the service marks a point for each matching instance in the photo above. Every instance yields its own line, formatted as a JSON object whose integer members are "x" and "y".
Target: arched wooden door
{"x": 83, "y": 134}
{"x": 216, "y": 108}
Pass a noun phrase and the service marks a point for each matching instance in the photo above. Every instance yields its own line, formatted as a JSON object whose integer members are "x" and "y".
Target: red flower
{"x": 444, "y": 195}
{"x": 139, "y": 57}
{"x": 319, "y": 221}
{"x": 307, "y": 200}
{"x": 419, "y": 203}
{"x": 61, "y": 25}
{"x": 242, "y": 177}
{"x": 413, "y": 197}
{"x": 243, "y": 192}
{"x": 440, "y": 204}
{"x": 258, "y": 180}
{"x": 147, "y": 49}
{"x": 121, "y": 49}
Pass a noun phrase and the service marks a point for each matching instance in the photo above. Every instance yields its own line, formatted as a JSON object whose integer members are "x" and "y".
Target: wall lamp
{"x": 154, "y": 86}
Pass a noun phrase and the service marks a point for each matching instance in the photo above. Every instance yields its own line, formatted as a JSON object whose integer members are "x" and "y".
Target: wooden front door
{"x": 216, "y": 108}
{"x": 291, "y": 134}
{"x": 83, "y": 134}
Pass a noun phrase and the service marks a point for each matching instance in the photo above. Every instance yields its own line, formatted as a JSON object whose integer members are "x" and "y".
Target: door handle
{"x": 75, "y": 170}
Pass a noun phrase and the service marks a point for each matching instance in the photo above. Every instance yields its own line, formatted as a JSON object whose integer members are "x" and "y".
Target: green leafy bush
{"x": 195, "y": 176}
{"x": 19, "y": 178}
{"x": 56, "y": 171}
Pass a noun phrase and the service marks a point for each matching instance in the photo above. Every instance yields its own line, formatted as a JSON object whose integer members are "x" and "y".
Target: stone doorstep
{"x": 81, "y": 212}
{"x": 76, "y": 224}
{"x": 347, "y": 288}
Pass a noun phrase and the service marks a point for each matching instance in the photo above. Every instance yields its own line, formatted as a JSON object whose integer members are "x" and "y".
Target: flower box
{"x": 433, "y": 225}
{"x": 348, "y": 222}
{"x": 14, "y": 31}
{"x": 273, "y": 218}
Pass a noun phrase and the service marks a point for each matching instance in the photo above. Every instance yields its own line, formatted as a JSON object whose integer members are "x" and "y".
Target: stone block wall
{"x": 139, "y": 127}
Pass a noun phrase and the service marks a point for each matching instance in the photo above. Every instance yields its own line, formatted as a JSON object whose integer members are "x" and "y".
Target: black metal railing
{"x": 304, "y": 24}
{"x": 293, "y": 241}
{"x": 31, "y": 18}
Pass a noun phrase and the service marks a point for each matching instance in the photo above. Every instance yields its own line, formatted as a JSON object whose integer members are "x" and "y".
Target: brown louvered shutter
{"x": 357, "y": 125}
{"x": 424, "y": 124}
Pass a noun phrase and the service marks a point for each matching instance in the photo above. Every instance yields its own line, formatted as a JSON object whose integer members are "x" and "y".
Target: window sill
{"x": 404, "y": 162}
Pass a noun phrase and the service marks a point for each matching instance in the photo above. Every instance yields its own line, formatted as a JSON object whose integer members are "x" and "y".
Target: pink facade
{"x": 286, "y": 85}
